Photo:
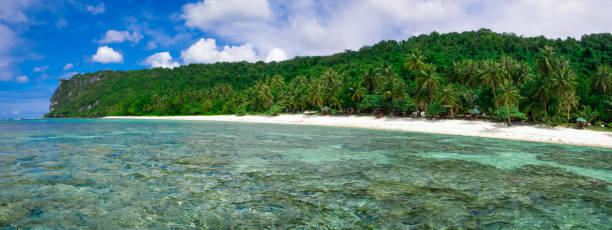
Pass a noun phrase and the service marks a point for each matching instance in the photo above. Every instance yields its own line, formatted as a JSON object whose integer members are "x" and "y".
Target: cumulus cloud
{"x": 114, "y": 36}
{"x": 97, "y": 9}
{"x": 68, "y": 66}
{"x": 206, "y": 51}
{"x": 325, "y": 27}
{"x": 41, "y": 68}
{"x": 12, "y": 11}
{"x": 207, "y": 14}
{"x": 22, "y": 79}
{"x": 276, "y": 54}
{"x": 106, "y": 55}
{"x": 161, "y": 59}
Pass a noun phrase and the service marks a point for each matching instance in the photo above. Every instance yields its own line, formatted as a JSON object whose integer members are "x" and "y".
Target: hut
{"x": 378, "y": 112}
{"x": 326, "y": 110}
{"x": 475, "y": 113}
{"x": 580, "y": 123}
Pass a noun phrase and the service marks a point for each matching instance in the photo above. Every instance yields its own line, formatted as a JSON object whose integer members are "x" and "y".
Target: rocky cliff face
{"x": 71, "y": 89}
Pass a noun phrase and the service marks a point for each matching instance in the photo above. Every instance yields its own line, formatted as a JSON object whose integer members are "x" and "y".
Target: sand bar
{"x": 558, "y": 135}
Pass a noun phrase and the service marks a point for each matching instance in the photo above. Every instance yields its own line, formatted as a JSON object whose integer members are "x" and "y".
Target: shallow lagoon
{"x": 80, "y": 173}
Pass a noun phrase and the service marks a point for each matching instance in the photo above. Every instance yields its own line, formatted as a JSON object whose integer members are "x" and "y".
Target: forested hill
{"x": 543, "y": 78}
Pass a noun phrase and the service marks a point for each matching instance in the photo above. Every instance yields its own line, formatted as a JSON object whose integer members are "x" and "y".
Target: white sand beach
{"x": 558, "y": 135}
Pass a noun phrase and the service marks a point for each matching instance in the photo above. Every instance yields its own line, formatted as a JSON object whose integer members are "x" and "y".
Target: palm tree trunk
{"x": 508, "y": 111}
{"x": 568, "y": 114}
{"x": 494, "y": 95}
{"x": 452, "y": 115}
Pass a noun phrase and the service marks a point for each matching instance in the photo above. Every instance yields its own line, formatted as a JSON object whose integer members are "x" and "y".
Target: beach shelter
{"x": 326, "y": 110}
{"x": 475, "y": 113}
{"x": 580, "y": 122}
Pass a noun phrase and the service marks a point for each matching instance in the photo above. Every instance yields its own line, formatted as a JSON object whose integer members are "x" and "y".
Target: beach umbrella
{"x": 580, "y": 119}
{"x": 475, "y": 111}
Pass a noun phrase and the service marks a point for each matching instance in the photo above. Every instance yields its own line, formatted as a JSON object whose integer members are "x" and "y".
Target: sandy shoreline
{"x": 557, "y": 135}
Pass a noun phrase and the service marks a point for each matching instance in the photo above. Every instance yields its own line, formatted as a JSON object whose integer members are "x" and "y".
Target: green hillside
{"x": 443, "y": 74}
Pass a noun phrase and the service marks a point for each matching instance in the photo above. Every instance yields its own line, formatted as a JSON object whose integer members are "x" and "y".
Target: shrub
{"x": 274, "y": 110}
{"x": 241, "y": 110}
{"x": 435, "y": 109}
{"x": 501, "y": 113}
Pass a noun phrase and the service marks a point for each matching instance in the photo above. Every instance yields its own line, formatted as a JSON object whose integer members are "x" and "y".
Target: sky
{"x": 42, "y": 41}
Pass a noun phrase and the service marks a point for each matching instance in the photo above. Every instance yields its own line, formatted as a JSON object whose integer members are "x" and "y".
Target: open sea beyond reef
{"x": 91, "y": 173}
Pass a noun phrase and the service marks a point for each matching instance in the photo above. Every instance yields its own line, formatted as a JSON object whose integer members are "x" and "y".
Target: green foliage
{"x": 502, "y": 113}
{"x": 241, "y": 110}
{"x": 402, "y": 105}
{"x": 459, "y": 70}
{"x": 435, "y": 109}
{"x": 274, "y": 110}
{"x": 371, "y": 102}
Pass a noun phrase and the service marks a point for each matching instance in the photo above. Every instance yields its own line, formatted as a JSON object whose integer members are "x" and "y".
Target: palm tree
{"x": 602, "y": 79}
{"x": 509, "y": 96}
{"x": 390, "y": 86}
{"x": 544, "y": 92}
{"x": 369, "y": 78}
{"x": 491, "y": 75}
{"x": 568, "y": 101}
{"x": 449, "y": 96}
{"x": 415, "y": 62}
{"x": 315, "y": 94}
{"x": 563, "y": 81}
{"x": 429, "y": 80}
{"x": 546, "y": 61}
{"x": 469, "y": 73}
{"x": 358, "y": 92}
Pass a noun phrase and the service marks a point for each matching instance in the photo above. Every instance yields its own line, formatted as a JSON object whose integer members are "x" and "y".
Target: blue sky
{"x": 42, "y": 41}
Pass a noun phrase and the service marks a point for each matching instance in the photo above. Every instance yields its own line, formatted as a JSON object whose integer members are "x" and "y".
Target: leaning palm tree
{"x": 569, "y": 100}
{"x": 415, "y": 62}
{"x": 449, "y": 96}
{"x": 369, "y": 78}
{"x": 509, "y": 96}
{"x": 315, "y": 94}
{"x": 544, "y": 91}
{"x": 546, "y": 61}
{"x": 563, "y": 81}
{"x": 491, "y": 75}
{"x": 429, "y": 80}
{"x": 602, "y": 79}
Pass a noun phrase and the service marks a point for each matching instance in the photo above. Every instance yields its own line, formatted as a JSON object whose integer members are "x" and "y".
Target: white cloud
{"x": 68, "y": 75}
{"x": 61, "y": 23}
{"x": 68, "y": 66}
{"x": 207, "y": 14}
{"x": 106, "y": 54}
{"x": 161, "y": 59}
{"x": 151, "y": 45}
{"x": 12, "y": 10}
{"x": 98, "y": 9}
{"x": 205, "y": 51}
{"x": 41, "y": 68}
{"x": 276, "y": 54}
{"x": 15, "y": 112}
{"x": 114, "y": 36}
{"x": 7, "y": 42}
{"x": 22, "y": 78}
{"x": 325, "y": 27}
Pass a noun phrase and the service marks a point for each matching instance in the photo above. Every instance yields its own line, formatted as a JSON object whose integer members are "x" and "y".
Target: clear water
{"x": 191, "y": 175}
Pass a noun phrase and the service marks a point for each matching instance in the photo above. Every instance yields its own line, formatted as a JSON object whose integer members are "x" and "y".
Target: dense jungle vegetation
{"x": 530, "y": 78}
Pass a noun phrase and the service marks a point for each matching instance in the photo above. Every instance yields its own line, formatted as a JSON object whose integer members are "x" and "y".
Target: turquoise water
{"x": 109, "y": 174}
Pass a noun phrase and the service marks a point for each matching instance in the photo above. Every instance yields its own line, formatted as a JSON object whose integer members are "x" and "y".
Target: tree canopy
{"x": 543, "y": 78}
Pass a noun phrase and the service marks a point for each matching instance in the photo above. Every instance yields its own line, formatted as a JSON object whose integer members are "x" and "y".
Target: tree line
{"x": 501, "y": 75}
